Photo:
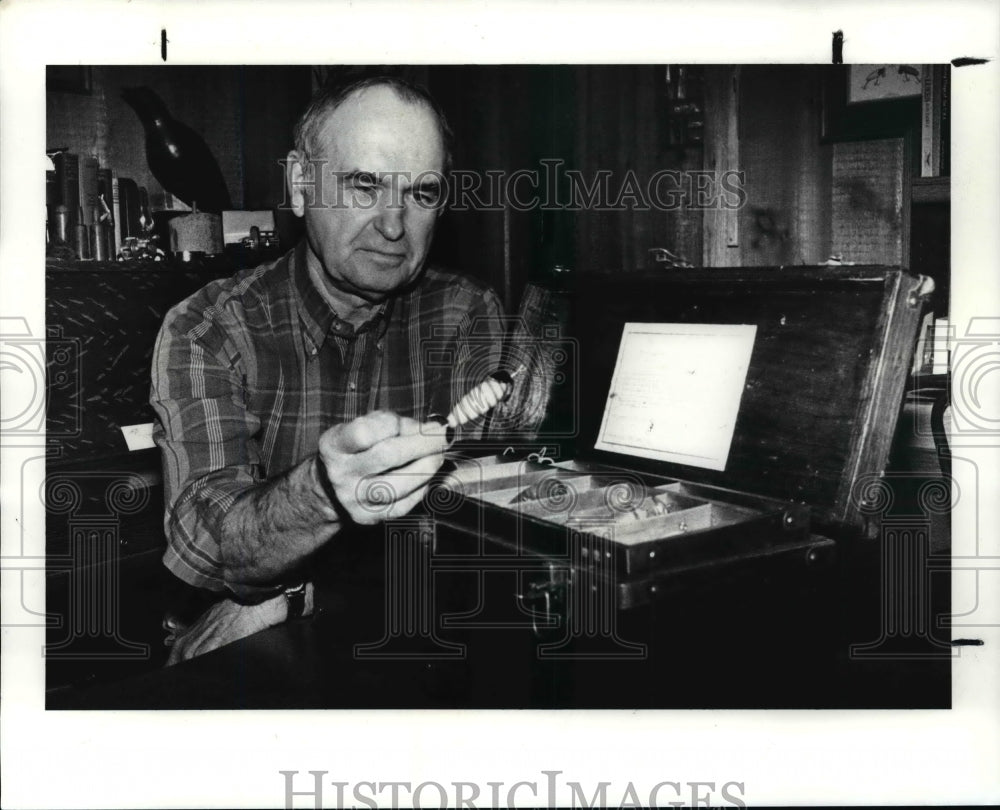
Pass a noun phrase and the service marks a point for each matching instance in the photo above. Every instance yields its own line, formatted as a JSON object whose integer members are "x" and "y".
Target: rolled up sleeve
{"x": 206, "y": 436}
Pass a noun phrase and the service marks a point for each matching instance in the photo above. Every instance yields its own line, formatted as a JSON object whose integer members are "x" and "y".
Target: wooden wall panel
{"x": 867, "y": 201}
{"x": 804, "y": 199}
{"x": 622, "y": 123}
{"x": 786, "y": 218}
{"x": 483, "y": 109}
{"x": 722, "y": 231}
{"x": 592, "y": 119}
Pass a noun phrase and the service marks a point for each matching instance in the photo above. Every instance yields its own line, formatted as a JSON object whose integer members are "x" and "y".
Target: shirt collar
{"x": 317, "y": 316}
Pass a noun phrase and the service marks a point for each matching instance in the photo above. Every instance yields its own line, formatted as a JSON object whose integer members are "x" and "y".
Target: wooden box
{"x": 813, "y": 419}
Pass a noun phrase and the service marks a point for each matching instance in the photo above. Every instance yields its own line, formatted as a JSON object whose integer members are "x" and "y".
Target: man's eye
{"x": 364, "y": 182}
{"x": 426, "y": 197}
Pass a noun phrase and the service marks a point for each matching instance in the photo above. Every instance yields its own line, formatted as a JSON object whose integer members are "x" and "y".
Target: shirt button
{"x": 314, "y": 351}
{"x": 351, "y": 386}
{"x": 379, "y": 345}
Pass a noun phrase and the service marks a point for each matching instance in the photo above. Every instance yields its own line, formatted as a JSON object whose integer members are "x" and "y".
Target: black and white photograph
{"x": 671, "y": 354}
{"x": 384, "y": 392}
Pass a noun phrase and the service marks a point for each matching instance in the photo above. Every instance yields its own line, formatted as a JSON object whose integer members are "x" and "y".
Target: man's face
{"x": 381, "y": 178}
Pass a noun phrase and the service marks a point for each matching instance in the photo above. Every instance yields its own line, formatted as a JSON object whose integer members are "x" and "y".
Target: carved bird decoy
{"x": 177, "y": 155}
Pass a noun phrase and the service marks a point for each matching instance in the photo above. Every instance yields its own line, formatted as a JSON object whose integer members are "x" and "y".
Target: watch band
{"x": 295, "y": 598}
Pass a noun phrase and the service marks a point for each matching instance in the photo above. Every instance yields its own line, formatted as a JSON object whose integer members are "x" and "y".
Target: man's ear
{"x": 295, "y": 181}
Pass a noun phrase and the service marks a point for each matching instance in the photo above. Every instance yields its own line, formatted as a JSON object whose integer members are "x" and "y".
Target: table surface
{"x": 710, "y": 647}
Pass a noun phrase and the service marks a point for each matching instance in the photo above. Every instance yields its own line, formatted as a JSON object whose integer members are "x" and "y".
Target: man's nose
{"x": 389, "y": 222}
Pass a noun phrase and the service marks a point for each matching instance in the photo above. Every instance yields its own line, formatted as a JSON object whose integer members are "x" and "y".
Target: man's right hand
{"x": 379, "y": 465}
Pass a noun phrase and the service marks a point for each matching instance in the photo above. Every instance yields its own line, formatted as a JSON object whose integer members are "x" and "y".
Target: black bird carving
{"x": 177, "y": 155}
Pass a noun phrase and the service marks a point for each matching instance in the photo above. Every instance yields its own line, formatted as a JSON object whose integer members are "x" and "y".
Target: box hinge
{"x": 920, "y": 291}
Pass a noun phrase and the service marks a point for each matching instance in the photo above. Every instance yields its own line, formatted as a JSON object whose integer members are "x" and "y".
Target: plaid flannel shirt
{"x": 249, "y": 371}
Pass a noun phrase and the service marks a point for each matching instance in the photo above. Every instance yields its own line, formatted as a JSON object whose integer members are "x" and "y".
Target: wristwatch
{"x": 295, "y": 598}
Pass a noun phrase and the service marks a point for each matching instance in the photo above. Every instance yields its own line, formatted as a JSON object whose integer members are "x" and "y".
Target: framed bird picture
{"x": 867, "y": 102}
{"x": 866, "y": 83}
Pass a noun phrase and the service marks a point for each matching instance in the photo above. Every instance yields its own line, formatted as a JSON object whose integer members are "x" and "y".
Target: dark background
{"x": 800, "y": 206}
{"x": 808, "y": 196}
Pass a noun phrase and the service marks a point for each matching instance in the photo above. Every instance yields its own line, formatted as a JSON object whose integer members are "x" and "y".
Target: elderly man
{"x": 294, "y": 398}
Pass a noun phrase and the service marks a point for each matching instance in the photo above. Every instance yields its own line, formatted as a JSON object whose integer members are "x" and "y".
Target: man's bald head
{"x": 330, "y": 98}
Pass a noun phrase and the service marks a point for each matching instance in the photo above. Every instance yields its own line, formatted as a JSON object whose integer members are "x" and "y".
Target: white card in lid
{"x": 138, "y": 437}
{"x": 675, "y": 393}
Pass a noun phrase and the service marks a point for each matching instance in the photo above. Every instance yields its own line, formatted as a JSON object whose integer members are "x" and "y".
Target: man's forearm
{"x": 273, "y": 527}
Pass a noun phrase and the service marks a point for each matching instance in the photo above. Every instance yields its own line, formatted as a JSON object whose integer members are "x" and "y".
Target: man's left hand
{"x": 228, "y": 621}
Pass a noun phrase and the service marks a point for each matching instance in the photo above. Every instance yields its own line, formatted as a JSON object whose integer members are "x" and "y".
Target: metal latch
{"x": 544, "y": 599}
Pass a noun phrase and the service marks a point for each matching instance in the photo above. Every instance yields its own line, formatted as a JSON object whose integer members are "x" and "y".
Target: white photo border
{"x": 208, "y": 759}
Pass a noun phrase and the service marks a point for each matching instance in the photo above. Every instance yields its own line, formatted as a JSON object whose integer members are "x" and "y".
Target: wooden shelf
{"x": 930, "y": 190}
{"x": 213, "y": 265}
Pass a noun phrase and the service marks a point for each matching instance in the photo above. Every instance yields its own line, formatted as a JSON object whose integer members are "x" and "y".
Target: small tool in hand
{"x": 483, "y": 398}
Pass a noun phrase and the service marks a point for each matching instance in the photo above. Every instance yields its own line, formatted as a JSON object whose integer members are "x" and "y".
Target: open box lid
{"x": 831, "y": 352}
